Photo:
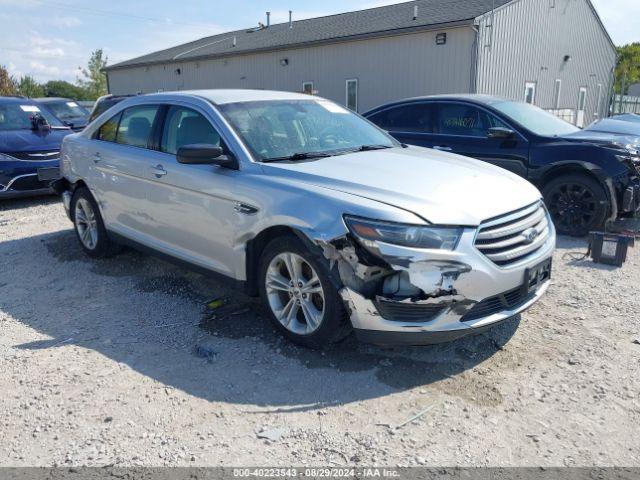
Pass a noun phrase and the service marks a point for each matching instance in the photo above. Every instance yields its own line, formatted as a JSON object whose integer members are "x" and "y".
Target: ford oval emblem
{"x": 530, "y": 235}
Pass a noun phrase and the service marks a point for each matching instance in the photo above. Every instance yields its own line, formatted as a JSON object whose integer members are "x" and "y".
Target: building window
{"x": 556, "y": 93}
{"x": 307, "y": 87}
{"x": 582, "y": 99}
{"x": 530, "y": 93}
{"x": 599, "y": 102}
{"x": 352, "y": 94}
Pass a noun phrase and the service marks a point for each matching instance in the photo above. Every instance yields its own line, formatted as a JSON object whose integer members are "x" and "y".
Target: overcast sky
{"x": 50, "y": 39}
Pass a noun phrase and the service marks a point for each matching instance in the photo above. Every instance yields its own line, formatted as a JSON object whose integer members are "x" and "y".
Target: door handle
{"x": 159, "y": 171}
{"x": 97, "y": 157}
{"x": 443, "y": 148}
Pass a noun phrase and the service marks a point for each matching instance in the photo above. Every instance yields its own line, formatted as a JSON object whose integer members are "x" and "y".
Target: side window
{"x": 406, "y": 118}
{"x": 462, "y": 120}
{"x": 135, "y": 125}
{"x": 108, "y": 130}
{"x": 184, "y": 126}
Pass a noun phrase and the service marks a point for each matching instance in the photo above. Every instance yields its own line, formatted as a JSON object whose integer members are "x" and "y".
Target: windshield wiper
{"x": 369, "y": 148}
{"x": 298, "y": 156}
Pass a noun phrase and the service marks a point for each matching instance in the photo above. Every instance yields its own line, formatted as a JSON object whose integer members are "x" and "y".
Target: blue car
{"x": 30, "y": 140}
{"x": 587, "y": 177}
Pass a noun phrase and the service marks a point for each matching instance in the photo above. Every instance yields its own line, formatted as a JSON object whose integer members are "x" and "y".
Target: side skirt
{"x": 122, "y": 240}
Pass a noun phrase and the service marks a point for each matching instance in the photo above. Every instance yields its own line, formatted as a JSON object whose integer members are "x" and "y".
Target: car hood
{"x": 603, "y": 138}
{"x": 442, "y": 188}
{"x": 31, "y": 140}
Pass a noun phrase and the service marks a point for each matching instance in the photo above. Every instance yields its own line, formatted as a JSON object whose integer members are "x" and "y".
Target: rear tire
{"x": 296, "y": 288}
{"x": 89, "y": 226}
{"x": 577, "y": 203}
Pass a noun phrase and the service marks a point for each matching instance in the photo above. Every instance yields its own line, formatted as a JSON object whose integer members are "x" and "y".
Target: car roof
{"x": 52, "y": 99}
{"x": 224, "y": 96}
{"x": 479, "y": 99}
{"x": 20, "y": 100}
{"x": 611, "y": 125}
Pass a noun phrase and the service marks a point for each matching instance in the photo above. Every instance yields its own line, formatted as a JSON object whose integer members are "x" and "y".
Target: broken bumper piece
{"x": 443, "y": 319}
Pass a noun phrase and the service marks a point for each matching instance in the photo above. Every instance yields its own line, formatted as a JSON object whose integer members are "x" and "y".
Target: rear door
{"x": 192, "y": 206}
{"x": 120, "y": 160}
{"x": 463, "y": 128}
{"x": 410, "y": 123}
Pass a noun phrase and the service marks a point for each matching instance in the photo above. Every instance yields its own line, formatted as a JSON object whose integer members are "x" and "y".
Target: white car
{"x": 334, "y": 223}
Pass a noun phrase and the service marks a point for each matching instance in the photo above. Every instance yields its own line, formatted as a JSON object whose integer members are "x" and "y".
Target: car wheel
{"x": 303, "y": 302}
{"x": 89, "y": 226}
{"x": 577, "y": 204}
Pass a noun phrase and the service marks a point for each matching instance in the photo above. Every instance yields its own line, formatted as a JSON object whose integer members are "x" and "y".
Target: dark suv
{"x": 30, "y": 139}
{"x": 585, "y": 178}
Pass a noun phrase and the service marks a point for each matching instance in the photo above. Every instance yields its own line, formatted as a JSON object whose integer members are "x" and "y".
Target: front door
{"x": 192, "y": 206}
{"x": 463, "y": 129}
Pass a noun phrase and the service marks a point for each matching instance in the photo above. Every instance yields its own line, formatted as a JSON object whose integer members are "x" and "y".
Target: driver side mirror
{"x": 206, "y": 154}
{"x": 501, "y": 132}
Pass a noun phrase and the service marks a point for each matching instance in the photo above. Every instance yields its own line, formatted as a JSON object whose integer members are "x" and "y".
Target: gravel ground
{"x": 116, "y": 362}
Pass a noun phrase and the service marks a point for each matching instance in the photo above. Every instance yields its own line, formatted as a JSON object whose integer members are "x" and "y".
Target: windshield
{"x": 284, "y": 129}
{"x": 17, "y": 116}
{"x": 67, "y": 110}
{"x": 535, "y": 119}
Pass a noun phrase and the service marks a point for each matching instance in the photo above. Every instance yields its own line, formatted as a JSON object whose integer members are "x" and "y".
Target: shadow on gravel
{"x": 248, "y": 362}
{"x": 20, "y": 203}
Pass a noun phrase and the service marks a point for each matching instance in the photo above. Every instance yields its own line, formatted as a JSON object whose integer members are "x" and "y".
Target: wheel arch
{"x": 581, "y": 168}
{"x": 256, "y": 246}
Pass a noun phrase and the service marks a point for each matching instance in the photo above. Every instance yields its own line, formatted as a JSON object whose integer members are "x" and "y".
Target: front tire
{"x": 89, "y": 226}
{"x": 297, "y": 290}
{"x": 577, "y": 203}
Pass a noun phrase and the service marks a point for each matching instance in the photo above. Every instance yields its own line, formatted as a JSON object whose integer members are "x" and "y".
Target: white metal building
{"x": 553, "y": 53}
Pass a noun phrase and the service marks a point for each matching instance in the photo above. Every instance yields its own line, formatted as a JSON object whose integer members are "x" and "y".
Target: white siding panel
{"x": 531, "y": 39}
{"x": 386, "y": 68}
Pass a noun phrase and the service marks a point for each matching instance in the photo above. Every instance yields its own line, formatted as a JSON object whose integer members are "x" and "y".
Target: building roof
{"x": 397, "y": 18}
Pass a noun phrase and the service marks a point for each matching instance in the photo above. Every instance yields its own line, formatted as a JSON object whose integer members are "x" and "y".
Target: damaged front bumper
{"x": 371, "y": 327}
{"x": 434, "y": 296}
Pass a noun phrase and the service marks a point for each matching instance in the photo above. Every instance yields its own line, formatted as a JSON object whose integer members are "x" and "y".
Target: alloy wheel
{"x": 572, "y": 206}
{"x": 86, "y": 223}
{"x": 295, "y": 293}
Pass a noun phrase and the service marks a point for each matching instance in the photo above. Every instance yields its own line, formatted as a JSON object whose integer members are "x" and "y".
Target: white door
{"x": 582, "y": 105}
{"x": 530, "y": 93}
{"x": 192, "y": 206}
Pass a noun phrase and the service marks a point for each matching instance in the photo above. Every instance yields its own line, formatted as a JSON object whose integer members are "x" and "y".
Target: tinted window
{"x": 465, "y": 120}
{"x": 184, "y": 126}
{"x": 135, "y": 125}
{"x": 108, "y": 130}
{"x": 406, "y": 118}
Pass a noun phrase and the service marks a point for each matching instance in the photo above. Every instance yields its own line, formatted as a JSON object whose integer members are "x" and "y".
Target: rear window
{"x": 135, "y": 125}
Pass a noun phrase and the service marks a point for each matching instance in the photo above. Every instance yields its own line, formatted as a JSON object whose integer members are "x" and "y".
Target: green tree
{"x": 92, "y": 78}
{"x": 7, "y": 82}
{"x": 628, "y": 68}
{"x": 29, "y": 87}
{"x": 61, "y": 88}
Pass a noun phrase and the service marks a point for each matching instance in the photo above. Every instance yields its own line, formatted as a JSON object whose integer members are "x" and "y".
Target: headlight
{"x": 414, "y": 236}
{"x": 6, "y": 158}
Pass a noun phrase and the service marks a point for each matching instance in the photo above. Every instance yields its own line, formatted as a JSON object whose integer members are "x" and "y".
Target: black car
{"x": 586, "y": 177}
{"x": 104, "y": 103}
{"x": 67, "y": 111}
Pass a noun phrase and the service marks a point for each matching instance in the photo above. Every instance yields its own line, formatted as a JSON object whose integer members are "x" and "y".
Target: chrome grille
{"x": 39, "y": 156}
{"x": 510, "y": 238}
